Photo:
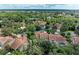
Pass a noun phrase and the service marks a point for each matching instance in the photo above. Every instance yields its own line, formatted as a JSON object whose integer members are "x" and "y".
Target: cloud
{"x": 38, "y": 6}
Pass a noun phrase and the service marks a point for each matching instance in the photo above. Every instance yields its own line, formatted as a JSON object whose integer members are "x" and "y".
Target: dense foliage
{"x": 24, "y": 23}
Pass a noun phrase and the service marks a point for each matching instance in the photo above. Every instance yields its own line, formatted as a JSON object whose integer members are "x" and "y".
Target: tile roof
{"x": 54, "y": 37}
{"x": 14, "y": 43}
{"x": 44, "y": 35}
{"x": 3, "y": 40}
{"x": 41, "y": 35}
{"x": 19, "y": 42}
{"x": 57, "y": 37}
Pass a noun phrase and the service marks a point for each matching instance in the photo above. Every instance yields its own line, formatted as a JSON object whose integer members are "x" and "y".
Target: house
{"x": 41, "y": 24}
{"x": 6, "y": 41}
{"x": 20, "y": 43}
{"x": 2, "y": 42}
{"x": 41, "y": 35}
{"x": 58, "y": 39}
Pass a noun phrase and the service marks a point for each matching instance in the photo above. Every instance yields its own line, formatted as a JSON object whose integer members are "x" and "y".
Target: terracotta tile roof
{"x": 44, "y": 35}
{"x": 56, "y": 37}
{"x": 41, "y": 35}
{"x": 14, "y": 42}
{"x": 75, "y": 40}
{"x": 19, "y": 42}
{"x": 3, "y": 40}
{"x": 9, "y": 38}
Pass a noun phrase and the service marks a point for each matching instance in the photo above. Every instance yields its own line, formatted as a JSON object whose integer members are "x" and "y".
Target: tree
{"x": 46, "y": 45}
{"x": 16, "y": 52}
{"x": 3, "y": 52}
{"x": 34, "y": 48}
{"x": 31, "y": 27}
{"x": 68, "y": 35}
{"x": 76, "y": 48}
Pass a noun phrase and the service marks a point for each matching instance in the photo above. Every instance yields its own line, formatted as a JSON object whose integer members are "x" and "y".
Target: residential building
{"x": 6, "y": 41}
{"x": 57, "y": 38}
{"x": 19, "y": 42}
{"x": 41, "y": 35}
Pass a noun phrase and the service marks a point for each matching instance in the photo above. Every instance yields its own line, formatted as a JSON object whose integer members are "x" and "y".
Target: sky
{"x": 39, "y": 6}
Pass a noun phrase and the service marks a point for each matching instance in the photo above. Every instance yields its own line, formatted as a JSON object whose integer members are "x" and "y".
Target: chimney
{"x": 23, "y": 36}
